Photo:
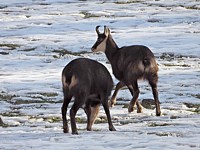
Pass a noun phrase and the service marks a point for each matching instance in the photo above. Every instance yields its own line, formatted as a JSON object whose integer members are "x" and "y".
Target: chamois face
{"x": 100, "y": 44}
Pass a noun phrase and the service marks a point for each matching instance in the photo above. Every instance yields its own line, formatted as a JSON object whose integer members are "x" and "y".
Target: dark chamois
{"x": 1, "y": 121}
{"x": 90, "y": 83}
{"x": 129, "y": 64}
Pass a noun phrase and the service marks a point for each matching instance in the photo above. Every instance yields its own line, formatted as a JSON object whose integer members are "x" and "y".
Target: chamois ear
{"x": 97, "y": 29}
{"x": 106, "y": 31}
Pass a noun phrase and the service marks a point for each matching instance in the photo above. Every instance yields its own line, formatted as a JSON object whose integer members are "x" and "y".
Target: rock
{"x": 148, "y": 103}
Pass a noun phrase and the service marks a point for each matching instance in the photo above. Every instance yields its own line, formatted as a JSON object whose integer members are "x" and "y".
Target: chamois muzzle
{"x": 93, "y": 49}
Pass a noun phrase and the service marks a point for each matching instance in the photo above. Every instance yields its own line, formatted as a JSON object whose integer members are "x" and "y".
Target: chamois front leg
{"x": 92, "y": 112}
{"x": 139, "y": 106}
{"x": 107, "y": 111}
{"x": 112, "y": 101}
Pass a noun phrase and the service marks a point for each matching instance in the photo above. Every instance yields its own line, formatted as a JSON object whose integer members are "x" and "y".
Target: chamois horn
{"x": 97, "y": 29}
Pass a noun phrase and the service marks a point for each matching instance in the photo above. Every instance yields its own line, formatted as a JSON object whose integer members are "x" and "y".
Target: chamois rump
{"x": 90, "y": 83}
{"x": 129, "y": 64}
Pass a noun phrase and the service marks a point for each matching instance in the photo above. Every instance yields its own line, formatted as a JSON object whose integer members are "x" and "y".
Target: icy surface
{"x": 39, "y": 37}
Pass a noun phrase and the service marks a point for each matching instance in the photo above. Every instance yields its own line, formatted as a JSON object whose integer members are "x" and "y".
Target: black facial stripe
{"x": 100, "y": 39}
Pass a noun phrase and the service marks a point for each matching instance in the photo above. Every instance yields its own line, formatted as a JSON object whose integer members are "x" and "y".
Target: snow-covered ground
{"x": 39, "y": 37}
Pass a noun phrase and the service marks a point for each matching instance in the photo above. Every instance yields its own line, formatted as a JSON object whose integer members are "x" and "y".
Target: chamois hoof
{"x": 75, "y": 133}
{"x": 139, "y": 110}
{"x": 112, "y": 129}
{"x": 110, "y": 103}
{"x": 158, "y": 114}
{"x": 89, "y": 129}
{"x": 65, "y": 130}
{"x": 131, "y": 108}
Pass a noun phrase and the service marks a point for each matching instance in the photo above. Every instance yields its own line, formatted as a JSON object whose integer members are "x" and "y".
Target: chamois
{"x": 90, "y": 83}
{"x": 129, "y": 64}
{"x": 1, "y": 121}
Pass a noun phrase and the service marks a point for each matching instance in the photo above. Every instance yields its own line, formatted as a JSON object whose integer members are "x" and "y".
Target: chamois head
{"x": 100, "y": 44}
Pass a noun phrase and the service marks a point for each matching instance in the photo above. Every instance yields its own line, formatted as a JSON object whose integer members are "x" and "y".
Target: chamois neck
{"x": 111, "y": 48}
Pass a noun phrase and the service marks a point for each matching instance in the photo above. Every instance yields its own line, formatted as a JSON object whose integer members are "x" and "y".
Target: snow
{"x": 33, "y": 32}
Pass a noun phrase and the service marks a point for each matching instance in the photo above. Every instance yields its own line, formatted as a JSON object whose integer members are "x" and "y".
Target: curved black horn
{"x": 106, "y": 30}
{"x": 97, "y": 29}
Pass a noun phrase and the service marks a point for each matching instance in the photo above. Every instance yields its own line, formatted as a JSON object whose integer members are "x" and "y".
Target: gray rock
{"x": 148, "y": 103}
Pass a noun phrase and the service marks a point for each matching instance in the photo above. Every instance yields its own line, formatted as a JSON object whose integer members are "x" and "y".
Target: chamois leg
{"x": 92, "y": 112}
{"x": 107, "y": 111}
{"x": 134, "y": 100}
{"x": 139, "y": 106}
{"x": 67, "y": 99}
{"x": 112, "y": 101}
{"x": 78, "y": 102}
{"x": 155, "y": 95}
{"x": 87, "y": 110}
{"x": 153, "y": 78}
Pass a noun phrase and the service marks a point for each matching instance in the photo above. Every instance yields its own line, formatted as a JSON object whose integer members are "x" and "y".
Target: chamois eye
{"x": 99, "y": 40}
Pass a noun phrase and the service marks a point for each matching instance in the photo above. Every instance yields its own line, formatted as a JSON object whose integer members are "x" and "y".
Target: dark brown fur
{"x": 129, "y": 64}
{"x": 90, "y": 83}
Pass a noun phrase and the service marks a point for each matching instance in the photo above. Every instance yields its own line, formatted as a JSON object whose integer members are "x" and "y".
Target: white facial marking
{"x": 102, "y": 46}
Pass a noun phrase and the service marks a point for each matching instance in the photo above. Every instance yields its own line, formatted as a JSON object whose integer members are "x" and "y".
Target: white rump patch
{"x": 141, "y": 66}
{"x": 74, "y": 81}
{"x": 64, "y": 81}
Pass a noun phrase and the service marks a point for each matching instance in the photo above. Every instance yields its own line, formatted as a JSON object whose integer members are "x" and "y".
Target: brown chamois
{"x": 129, "y": 64}
{"x": 90, "y": 83}
{"x": 1, "y": 121}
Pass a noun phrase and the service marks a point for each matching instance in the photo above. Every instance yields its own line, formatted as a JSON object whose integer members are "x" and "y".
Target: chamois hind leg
{"x": 153, "y": 83}
{"x": 139, "y": 106}
{"x": 134, "y": 88}
{"x": 112, "y": 101}
{"x": 67, "y": 99}
{"x": 107, "y": 111}
{"x": 78, "y": 102}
